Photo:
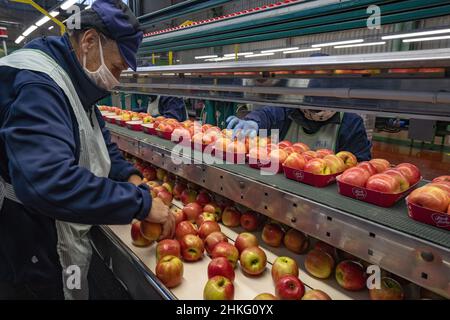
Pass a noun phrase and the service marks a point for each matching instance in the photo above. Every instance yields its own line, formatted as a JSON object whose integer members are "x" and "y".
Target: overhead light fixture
{"x": 302, "y": 50}
{"x": 45, "y": 19}
{"x": 260, "y": 55}
{"x": 29, "y": 30}
{"x": 66, "y": 5}
{"x": 361, "y": 45}
{"x": 238, "y": 54}
{"x": 19, "y": 39}
{"x": 279, "y": 50}
{"x": 50, "y": 28}
{"x": 427, "y": 39}
{"x": 330, "y": 44}
{"x": 206, "y": 57}
{"x": 415, "y": 34}
{"x": 220, "y": 59}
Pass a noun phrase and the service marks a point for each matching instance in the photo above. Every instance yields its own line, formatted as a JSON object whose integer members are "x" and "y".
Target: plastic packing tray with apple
{"x": 428, "y": 216}
{"x": 380, "y": 199}
{"x": 135, "y": 125}
{"x": 316, "y": 180}
{"x": 149, "y": 128}
{"x": 230, "y": 157}
{"x": 113, "y": 119}
{"x": 265, "y": 165}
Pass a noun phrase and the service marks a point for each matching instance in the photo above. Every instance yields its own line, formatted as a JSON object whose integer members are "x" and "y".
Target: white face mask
{"x": 102, "y": 77}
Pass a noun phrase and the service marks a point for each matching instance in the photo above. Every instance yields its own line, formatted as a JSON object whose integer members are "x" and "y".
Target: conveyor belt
{"x": 395, "y": 218}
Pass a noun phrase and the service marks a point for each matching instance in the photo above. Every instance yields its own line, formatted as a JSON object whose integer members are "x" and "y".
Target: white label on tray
{"x": 359, "y": 193}
{"x": 441, "y": 220}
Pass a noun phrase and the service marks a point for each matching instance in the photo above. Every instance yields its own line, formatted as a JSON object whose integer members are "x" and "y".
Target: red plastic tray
{"x": 424, "y": 215}
{"x": 134, "y": 125}
{"x": 319, "y": 181}
{"x": 121, "y": 122}
{"x": 164, "y": 135}
{"x": 377, "y": 198}
{"x": 148, "y": 128}
{"x": 237, "y": 158}
{"x": 113, "y": 119}
{"x": 256, "y": 164}
{"x": 197, "y": 147}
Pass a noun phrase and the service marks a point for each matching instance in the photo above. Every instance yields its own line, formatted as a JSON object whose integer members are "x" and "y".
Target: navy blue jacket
{"x": 169, "y": 107}
{"x": 39, "y": 152}
{"x": 352, "y": 134}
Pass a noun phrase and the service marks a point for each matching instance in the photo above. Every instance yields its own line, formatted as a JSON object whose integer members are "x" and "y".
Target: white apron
{"x": 73, "y": 245}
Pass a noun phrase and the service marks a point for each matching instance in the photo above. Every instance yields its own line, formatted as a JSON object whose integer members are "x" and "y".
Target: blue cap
{"x": 122, "y": 26}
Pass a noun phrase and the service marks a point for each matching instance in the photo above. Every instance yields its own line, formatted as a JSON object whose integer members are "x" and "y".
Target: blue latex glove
{"x": 242, "y": 128}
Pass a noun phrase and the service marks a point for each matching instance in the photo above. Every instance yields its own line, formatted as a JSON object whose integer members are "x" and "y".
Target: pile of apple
{"x": 378, "y": 175}
{"x": 434, "y": 196}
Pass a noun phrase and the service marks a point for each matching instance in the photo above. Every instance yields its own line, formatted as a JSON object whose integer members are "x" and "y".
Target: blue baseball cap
{"x": 121, "y": 25}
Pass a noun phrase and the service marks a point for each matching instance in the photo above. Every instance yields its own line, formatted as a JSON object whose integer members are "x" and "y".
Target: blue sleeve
{"x": 269, "y": 117}
{"x": 172, "y": 107}
{"x": 121, "y": 169}
{"x": 41, "y": 150}
{"x": 353, "y": 137}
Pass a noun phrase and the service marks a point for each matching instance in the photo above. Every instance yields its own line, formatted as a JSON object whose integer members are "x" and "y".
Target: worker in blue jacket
{"x": 59, "y": 171}
{"x": 167, "y": 106}
{"x": 319, "y": 129}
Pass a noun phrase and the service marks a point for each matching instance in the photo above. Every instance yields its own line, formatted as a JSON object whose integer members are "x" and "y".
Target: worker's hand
{"x": 160, "y": 213}
{"x": 135, "y": 179}
{"x": 242, "y": 128}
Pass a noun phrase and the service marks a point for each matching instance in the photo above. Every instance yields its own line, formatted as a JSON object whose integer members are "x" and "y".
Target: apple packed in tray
{"x": 430, "y": 204}
{"x": 379, "y": 183}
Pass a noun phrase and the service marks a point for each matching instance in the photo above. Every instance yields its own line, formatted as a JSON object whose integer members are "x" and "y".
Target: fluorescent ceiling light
{"x": 361, "y": 45}
{"x": 206, "y": 57}
{"x": 45, "y": 19}
{"x": 415, "y": 34}
{"x": 50, "y": 28}
{"x": 19, "y": 39}
{"x": 29, "y": 30}
{"x": 279, "y": 50}
{"x": 427, "y": 39}
{"x": 302, "y": 50}
{"x": 330, "y": 44}
{"x": 239, "y": 54}
{"x": 260, "y": 55}
{"x": 220, "y": 59}
{"x": 66, "y": 5}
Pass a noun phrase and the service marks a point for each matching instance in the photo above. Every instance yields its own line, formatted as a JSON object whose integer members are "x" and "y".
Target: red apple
{"x": 335, "y": 163}
{"x": 355, "y": 176}
{"x": 178, "y": 213}
{"x": 410, "y": 171}
{"x": 448, "y": 210}
{"x": 220, "y": 266}
{"x": 349, "y": 159}
{"x": 283, "y": 266}
{"x": 309, "y": 155}
{"x": 231, "y": 217}
{"x": 430, "y": 197}
{"x": 168, "y": 247}
{"x": 169, "y": 187}
{"x": 322, "y": 153}
{"x": 296, "y": 241}
{"x": 203, "y": 198}
{"x": 165, "y": 196}
{"x": 192, "y": 211}
{"x": 149, "y": 173}
{"x": 253, "y": 261}
{"x": 390, "y": 290}
{"x": 151, "y": 231}
{"x": 403, "y": 182}
{"x": 188, "y": 196}
{"x": 300, "y": 147}
{"x": 284, "y": 144}
{"x": 218, "y": 288}
{"x": 382, "y": 182}
{"x": 249, "y": 221}
{"x": 317, "y": 166}
{"x": 213, "y": 239}
{"x": 366, "y": 165}
{"x": 350, "y": 275}
{"x": 161, "y": 174}
{"x": 227, "y": 250}
{"x": 207, "y": 228}
{"x": 265, "y": 296}
{"x": 325, "y": 247}
{"x": 206, "y": 216}
{"x": 296, "y": 161}
{"x": 442, "y": 179}
{"x": 184, "y": 228}
{"x": 191, "y": 247}
{"x": 381, "y": 165}
{"x": 272, "y": 234}
{"x": 245, "y": 240}
{"x": 136, "y": 236}
{"x": 213, "y": 208}
{"x": 442, "y": 185}
{"x": 319, "y": 264}
{"x": 178, "y": 189}
{"x": 170, "y": 271}
{"x": 316, "y": 295}
{"x": 289, "y": 288}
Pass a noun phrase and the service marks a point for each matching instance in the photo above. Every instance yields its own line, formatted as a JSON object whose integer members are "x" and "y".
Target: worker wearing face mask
{"x": 59, "y": 171}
